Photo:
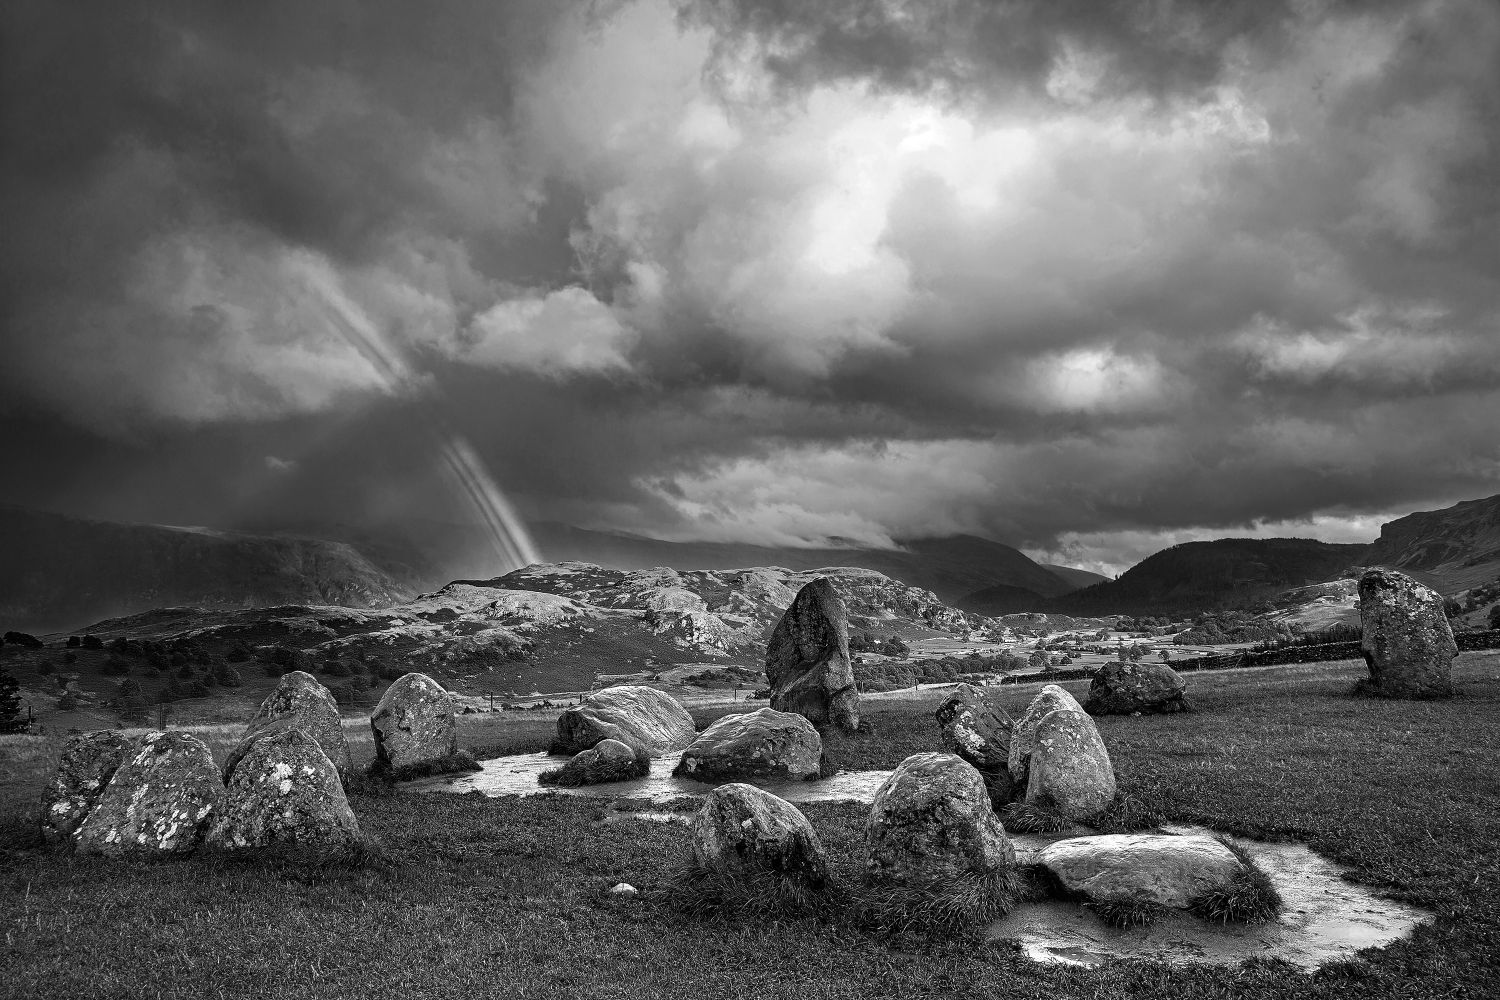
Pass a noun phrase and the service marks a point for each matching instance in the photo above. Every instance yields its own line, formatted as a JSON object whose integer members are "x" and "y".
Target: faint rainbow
{"x": 507, "y": 532}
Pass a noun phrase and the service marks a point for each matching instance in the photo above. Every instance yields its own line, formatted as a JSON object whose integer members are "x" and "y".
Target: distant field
{"x": 505, "y": 897}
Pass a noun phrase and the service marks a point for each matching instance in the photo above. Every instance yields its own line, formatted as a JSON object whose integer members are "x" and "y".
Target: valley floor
{"x": 481, "y": 897}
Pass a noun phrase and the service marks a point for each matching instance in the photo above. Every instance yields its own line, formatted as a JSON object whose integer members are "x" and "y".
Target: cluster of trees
{"x": 1225, "y": 627}
{"x": 861, "y": 641}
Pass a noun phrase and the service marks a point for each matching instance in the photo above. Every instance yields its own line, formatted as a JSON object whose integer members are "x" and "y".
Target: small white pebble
{"x": 624, "y": 889}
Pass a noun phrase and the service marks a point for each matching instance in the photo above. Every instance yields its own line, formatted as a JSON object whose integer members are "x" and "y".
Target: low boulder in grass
{"x": 1023, "y": 736}
{"x": 284, "y": 792}
{"x": 631, "y": 713}
{"x": 607, "y": 761}
{"x": 764, "y": 744}
{"x": 1406, "y": 638}
{"x": 1070, "y": 771}
{"x": 974, "y": 727}
{"x": 937, "y": 855}
{"x": 1126, "y": 878}
{"x": 159, "y": 801}
{"x": 415, "y": 731}
{"x": 1130, "y": 688}
{"x": 88, "y": 762}
{"x": 745, "y": 831}
{"x": 300, "y": 701}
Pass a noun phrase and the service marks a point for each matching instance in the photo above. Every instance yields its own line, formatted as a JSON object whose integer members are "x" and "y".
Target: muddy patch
{"x": 517, "y": 775}
{"x": 1325, "y": 919}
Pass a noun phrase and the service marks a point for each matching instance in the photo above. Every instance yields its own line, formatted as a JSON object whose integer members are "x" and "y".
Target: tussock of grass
{"x": 304, "y": 861}
{"x": 946, "y": 906}
{"x": 1127, "y": 814}
{"x": 574, "y": 774}
{"x": 1033, "y": 817}
{"x": 1249, "y": 898}
{"x": 1127, "y": 914}
{"x": 763, "y": 894}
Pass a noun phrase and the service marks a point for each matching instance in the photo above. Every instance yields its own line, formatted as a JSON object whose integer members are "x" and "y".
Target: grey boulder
{"x": 299, "y": 701}
{"x": 1023, "y": 737}
{"x": 87, "y": 763}
{"x": 1406, "y": 639}
{"x": 284, "y": 792}
{"x": 761, "y": 744}
{"x": 744, "y": 830}
{"x": 1128, "y": 688}
{"x": 975, "y": 727}
{"x": 1150, "y": 869}
{"x": 159, "y": 801}
{"x": 414, "y": 727}
{"x": 1070, "y": 770}
{"x": 631, "y": 713}
{"x": 931, "y": 823}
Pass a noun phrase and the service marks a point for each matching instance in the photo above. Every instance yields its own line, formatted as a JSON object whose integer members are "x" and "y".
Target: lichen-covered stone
{"x": 1134, "y": 868}
{"x": 88, "y": 762}
{"x": 975, "y": 727}
{"x": 414, "y": 725}
{"x": 1023, "y": 737}
{"x": 1128, "y": 688}
{"x": 764, "y": 744}
{"x": 744, "y": 830}
{"x": 607, "y": 761}
{"x": 299, "y": 700}
{"x": 159, "y": 801}
{"x": 284, "y": 792}
{"x": 931, "y": 822}
{"x": 631, "y": 713}
{"x": 807, "y": 659}
{"x": 1070, "y": 770}
{"x": 1407, "y": 641}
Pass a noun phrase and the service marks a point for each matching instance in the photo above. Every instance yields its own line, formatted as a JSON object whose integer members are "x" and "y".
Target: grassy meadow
{"x": 477, "y": 897}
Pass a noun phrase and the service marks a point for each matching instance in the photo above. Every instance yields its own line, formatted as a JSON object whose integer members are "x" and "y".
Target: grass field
{"x": 506, "y": 897}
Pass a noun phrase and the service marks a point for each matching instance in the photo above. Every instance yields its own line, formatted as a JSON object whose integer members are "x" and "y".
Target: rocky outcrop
{"x": 807, "y": 659}
{"x": 414, "y": 728}
{"x": 975, "y": 727}
{"x": 159, "y": 801}
{"x": 88, "y": 762}
{"x": 634, "y": 714}
{"x": 608, "y": 761}
{"x": 744, "y": 831}
{"x": 284, "y": 792}
{"x": 1070, "y": 772}
{"x": 1131, "y": 688}
{"x": 765, "y": 744}
{"x": 1023, "y": 737}
{"x": 299, "y": 701}
{"x": 931, "y": 825}
{"x": 1407, "y": 642}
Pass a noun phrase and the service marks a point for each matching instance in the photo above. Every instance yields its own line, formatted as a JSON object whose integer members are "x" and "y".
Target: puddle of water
{"x": 517, "y": 775}
{"x": 1325, "y": 919}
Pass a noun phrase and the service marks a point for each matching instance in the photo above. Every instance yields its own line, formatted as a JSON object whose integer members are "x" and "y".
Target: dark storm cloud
{"x": 1087, "y": 277}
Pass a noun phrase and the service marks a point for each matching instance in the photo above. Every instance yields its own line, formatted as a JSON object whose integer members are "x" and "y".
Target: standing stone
{"x": 1128, "y": 688}
{"x": 1407, "y": 642}
{"x": 1023, "y": 737}
{"x": 807, "y": 659}
{"x": 285, "y": 792}
{"x": 975, "y": 728}
{"x": 631, "y": 713}
{"x": 931, "y": 823}
{"x": 414, "y": 727}
{"x": 743, "y": 830}
{"x": 159, "y": 801}
{"x": 87, "y": 764}
{"x": 1070, "y": 770}
{"x": 299, "y": 701}
{"x": 760, "y": 744}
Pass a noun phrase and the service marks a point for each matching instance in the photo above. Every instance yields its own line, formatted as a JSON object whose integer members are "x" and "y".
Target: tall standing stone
{"x": 807, "y": 659}
{"x": 1407, "y": 642}
{"x": 414, "y": 727}
{"x": 302, "y": 702}
{"x": 1023, "y": 738}
{"x": 1070, "y": 770}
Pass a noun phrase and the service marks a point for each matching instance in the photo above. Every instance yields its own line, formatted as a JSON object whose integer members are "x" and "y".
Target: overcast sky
{"x": 1089, "y": 279}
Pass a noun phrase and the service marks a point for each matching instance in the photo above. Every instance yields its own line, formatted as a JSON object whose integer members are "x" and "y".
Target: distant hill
{"x": 1216, "y": 575}
{"x": 951, "y": 567}
{"x": 1079, "y": 578}
{"x": 1452, "y": 549}
{"x": 63, "y": 572}
{"x": 1000, "y": 599}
